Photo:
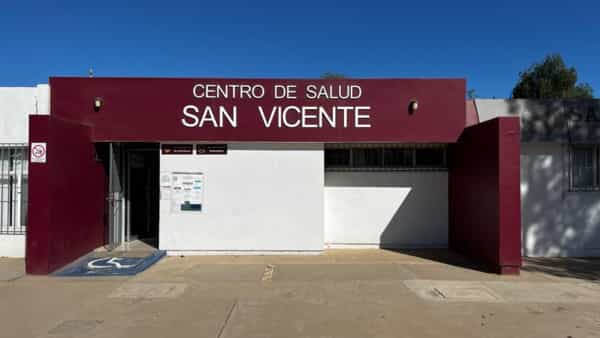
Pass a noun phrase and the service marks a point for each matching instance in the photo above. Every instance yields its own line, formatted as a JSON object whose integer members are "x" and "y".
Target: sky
{"x": 488, "y": 43}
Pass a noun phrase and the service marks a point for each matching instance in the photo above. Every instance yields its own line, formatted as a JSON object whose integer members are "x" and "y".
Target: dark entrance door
{"x": 143, "y": 192}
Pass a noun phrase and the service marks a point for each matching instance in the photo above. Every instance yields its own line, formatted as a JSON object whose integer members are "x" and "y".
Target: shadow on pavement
{"x": 587, "y": 269}
{"x": 444, "y": 256}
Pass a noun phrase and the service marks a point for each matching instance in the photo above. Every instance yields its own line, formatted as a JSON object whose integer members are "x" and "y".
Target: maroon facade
{"x": 484, "y": 199}
{"x": 37, "y": 249}
{"x": 472, "y": 115}
{"x": 66, "y": 196}
{"x": 147, "y": 109}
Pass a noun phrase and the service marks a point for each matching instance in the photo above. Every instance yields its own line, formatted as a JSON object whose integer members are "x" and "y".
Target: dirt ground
{"x": 341, "y": 293}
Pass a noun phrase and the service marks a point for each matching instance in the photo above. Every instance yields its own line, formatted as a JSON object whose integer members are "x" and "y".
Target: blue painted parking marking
{"x": 109, "y": 266}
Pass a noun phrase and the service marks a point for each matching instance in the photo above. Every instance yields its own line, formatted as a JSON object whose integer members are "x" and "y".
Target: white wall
{"x": 16, "y": 104}
{"x": 258, "y": 197}
{"x": 12, "y": 246}
{"x": 391, "y": 209}
{"x": 555, "y": 221}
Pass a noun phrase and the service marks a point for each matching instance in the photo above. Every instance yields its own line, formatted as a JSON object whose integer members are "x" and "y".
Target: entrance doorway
{"x": 133, "y": 195}
{"x": 143, "y": 193}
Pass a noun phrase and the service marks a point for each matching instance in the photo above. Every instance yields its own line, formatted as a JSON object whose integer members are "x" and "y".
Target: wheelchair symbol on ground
{"x": 109, "y": 263}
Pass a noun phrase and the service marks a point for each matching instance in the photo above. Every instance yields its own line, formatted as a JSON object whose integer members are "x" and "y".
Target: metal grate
{"x": 13, "y": 188}
{"x": 385, "y": 157}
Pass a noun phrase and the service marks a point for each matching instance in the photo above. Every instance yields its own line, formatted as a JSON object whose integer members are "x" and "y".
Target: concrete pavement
{"x": 11, "y": 269}
{"x": 342, "y": 293}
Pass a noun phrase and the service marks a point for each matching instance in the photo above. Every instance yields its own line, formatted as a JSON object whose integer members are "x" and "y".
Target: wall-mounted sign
{"x": 265, "y": 110}
{"x": 177, "y": 149}
{"x": 582, "y": 110}
{"x": 38, "y": 152}
{"x": 303, "y": 107}
{"x": 211, "y": 149}
{"x": 187, "y": 191}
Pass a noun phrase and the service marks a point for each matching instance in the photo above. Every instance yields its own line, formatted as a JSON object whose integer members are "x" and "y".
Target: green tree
{"x": 332, "y": 75}
{"x": 471, "y": 94}
{"x": 551, "y": 79}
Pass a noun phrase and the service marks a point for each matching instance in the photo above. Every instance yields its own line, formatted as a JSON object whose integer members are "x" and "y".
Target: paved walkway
{"x": 11, "y": 269}
{"x": 342, "y": 293}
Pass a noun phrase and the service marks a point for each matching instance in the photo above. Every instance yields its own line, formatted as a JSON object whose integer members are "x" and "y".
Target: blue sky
{"x": 486, "y": 44}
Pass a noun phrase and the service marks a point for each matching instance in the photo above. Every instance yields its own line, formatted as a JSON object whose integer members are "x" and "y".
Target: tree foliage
{"x": 471, "y": 94}
{"x": 550, "y": 79}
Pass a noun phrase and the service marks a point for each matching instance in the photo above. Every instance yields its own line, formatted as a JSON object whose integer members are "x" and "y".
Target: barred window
{"x": 367, "y": 157}
{"x": 337, "y": 158}
{"x": 13, "y": 188}
{"x": 398, "y": 157}
{"x": 584, "y": 167}
{"x": 429, "y": 157}
{"x": 384, "y": 157}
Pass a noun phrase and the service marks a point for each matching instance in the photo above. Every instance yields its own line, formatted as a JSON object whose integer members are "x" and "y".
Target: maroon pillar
{"x": 66, "y": 196}
{"x": 484, "y": 198}
{"x": 37, "y": 248}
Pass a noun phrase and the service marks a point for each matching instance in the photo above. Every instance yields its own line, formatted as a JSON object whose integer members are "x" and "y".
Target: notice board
{"x": 183, "y": 190}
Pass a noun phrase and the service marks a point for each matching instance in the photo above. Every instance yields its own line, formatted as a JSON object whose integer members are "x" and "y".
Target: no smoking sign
{"x": 38, "y": 152}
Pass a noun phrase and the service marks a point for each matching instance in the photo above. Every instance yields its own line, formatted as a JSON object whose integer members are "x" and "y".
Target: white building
{"x": 343, "y": 197}
{"x": 560, "y": 172}
{"x": 16, "y": 104}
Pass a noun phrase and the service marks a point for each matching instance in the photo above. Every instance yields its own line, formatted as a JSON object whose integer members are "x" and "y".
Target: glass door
{"x": 115, "y": 197}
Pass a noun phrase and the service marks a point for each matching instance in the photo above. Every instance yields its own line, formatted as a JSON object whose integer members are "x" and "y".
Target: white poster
{"x": 165, "y": 185}
{"x": 187, "y": 191}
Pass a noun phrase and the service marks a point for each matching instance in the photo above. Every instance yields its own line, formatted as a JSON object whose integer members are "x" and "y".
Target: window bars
{"x": 13, "y": 188}
{"x": 385, "y": 157}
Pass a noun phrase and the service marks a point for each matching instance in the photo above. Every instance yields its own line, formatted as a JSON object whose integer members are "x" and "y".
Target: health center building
{"x": 292, "y": 166}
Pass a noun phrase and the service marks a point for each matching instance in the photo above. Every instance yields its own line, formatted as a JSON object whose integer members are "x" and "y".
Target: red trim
{"x": 509, "y": 270}
{"x": 38, "y": 211}
{"x": 483, "y": 194}
{"x": 151, "y": 110}
{"x": 472, "y": 113}
{"x": 66, "y": 196}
